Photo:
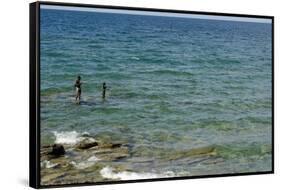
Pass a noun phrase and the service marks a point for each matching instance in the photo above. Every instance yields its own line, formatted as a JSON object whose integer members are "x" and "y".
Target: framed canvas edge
{"x": 34, "y": 102}
{"x": 34, "y": 93}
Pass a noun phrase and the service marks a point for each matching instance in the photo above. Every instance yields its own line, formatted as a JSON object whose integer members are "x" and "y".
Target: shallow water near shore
{"x": 185, "y": 97}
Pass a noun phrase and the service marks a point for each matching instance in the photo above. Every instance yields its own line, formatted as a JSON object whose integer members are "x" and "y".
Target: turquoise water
{"x": 173, "y": 84}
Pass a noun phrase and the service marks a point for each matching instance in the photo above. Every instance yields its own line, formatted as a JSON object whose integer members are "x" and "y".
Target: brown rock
{"x": 86, "y": 144}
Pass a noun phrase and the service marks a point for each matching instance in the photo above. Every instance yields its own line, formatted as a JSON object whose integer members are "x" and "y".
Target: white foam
{"x": 135, "y": 58}
{"x": 85, "y": 164}
{"x": 48, "y": 164}
{"x": 93, "y": 159}
{"x": 67, "y": 137}
{"x": 107, "y": 172}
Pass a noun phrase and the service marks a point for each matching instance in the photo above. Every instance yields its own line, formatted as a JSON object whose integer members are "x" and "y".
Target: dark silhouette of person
{"x": 78, "y": 91}
{"x": 103, "y": 90}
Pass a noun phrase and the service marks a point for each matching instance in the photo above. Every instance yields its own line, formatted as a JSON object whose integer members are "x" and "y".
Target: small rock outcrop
{"x": 57, "y": 150}
{"x": 86, "y": 144}
{"x": 52, "y": 151}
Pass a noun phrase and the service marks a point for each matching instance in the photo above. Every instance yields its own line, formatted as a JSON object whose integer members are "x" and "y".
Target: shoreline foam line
{"x": 109, "y": 173}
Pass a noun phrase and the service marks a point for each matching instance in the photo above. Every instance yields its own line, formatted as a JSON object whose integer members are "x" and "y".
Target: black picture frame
{"x": 34, "y": 91}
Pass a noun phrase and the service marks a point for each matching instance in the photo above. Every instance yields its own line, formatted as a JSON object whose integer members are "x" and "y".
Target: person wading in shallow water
{"x": 103, "y": 90}
{"x": 77, "y": 86}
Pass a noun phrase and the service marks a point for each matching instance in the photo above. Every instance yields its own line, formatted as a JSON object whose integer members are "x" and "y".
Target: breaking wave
{"x": 109, "y": 173}
{"x": 68, "y": 137}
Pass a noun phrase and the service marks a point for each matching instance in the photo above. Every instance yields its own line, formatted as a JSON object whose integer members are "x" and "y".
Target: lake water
{"x": 174, "y": 84}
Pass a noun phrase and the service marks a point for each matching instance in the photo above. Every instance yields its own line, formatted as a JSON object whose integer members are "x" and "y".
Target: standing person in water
{"x": 77, "y": 86}
{"x": 103, "y": 90}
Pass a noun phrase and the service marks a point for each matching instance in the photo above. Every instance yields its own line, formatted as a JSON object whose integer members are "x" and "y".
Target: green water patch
{"x": 114, "y": 135}
{"x": 162, "y": 107}
{"x": 263, "y": 104}
{"x": 213, "y": 124}
{"x": 259, "y": 121}
{"x": 172, "y": 154}
{"x": 244, "y": 150}
{"x": 232, "y": 125}
{"x": 164, "y": 136}
{"x": 47, "y": 138}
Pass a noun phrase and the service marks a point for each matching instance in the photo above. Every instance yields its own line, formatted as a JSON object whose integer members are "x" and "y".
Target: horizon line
{"x": 155, "y": 13}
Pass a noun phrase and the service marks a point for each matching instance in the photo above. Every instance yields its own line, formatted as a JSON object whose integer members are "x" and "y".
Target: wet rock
{"x": 51, "y": 151}
{"x": 58, "y": 169}
{"x": 112, "y": 154}
{"x": 201, "y": 150}
{"x": 62, "y": 162}
{"x": 49, "y": 177}
{"x": 117, "y": 145}
{"x": 86, "y": 144}
{"x": 57, "y": 150}
{"x": 111, "y": 145}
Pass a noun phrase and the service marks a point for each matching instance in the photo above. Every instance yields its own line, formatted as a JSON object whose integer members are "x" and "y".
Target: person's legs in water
{"x": 78, "y": 95}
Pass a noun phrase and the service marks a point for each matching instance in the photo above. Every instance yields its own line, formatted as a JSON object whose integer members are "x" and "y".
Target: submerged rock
{"x": 195, "y": 152}
{"x": 112, "y": 154}
{"x": 111, "y": 145}
{"x": 86, "y": 143}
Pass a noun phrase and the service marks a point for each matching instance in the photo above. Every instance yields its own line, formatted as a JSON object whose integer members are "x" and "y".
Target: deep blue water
{"x": 173, "y": 84}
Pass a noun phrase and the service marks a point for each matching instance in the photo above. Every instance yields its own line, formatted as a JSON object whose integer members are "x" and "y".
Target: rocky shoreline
{"x": 60, "y": 162}
{"x": 83, "y": 161}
